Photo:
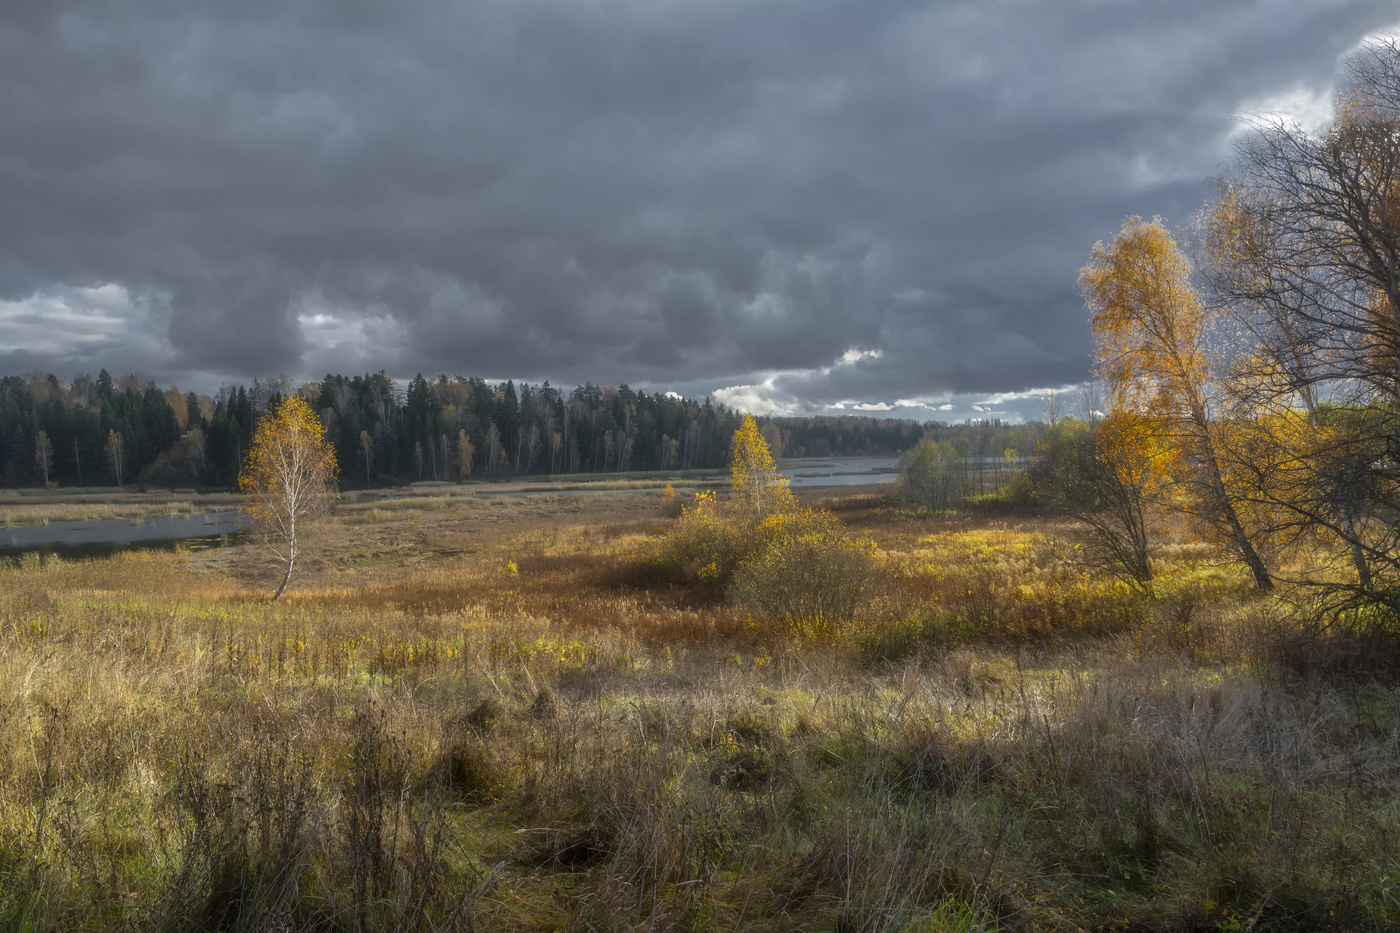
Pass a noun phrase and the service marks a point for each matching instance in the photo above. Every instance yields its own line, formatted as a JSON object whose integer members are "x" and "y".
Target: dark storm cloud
{"x": 699, "y": 194}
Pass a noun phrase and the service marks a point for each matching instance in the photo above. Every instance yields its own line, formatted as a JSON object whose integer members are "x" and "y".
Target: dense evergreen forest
{"x": 101, "y": 432}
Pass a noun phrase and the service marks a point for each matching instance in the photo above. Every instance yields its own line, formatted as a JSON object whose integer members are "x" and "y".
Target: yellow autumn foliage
{"x": 758, "y": 488}
{"x": 288, "y": 479}
{"x": 792, "y": 567}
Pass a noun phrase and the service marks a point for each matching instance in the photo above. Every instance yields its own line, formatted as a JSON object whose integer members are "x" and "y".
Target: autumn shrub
{"x": 798, "y": 570}
{"x": 808, "y": 574}
{"x": 1019, "y": 490}
{"x": 708, "y": 542}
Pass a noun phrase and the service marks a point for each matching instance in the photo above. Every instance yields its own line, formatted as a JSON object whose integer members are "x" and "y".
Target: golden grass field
{"x": 504, "y": 714}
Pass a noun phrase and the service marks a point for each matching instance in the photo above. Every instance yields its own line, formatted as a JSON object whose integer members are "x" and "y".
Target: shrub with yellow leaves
{"x": 793, "y": 567}
{"x": 809, "y": 577}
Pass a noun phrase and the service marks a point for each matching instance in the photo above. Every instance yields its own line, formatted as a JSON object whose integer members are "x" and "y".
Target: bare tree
{"x": 201, "y": 446}
{"x": 1103, "y": 474}
{"x": 933, "y": 475}
{"x": 1303, "y": 250}
{"x": 1053, "y": 409}
{"x": 464, "y": 454}
{"x": 1153, "y": 342}
{"x": 367, "y": 450}
{"x": 493, "y": 447}
{"x": 343, "y": 400}
{"x": 531, "y": 446}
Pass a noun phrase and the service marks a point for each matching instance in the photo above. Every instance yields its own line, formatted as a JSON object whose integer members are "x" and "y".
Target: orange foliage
{"x": 1150, "y": 329}
{"x": 1147, "y": 321}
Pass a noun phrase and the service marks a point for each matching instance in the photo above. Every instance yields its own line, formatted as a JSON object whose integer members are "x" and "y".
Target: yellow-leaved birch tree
{"x": 288, "y": 479}
{"x": 758, "y": 486}
{"x": 1151, "y": 334}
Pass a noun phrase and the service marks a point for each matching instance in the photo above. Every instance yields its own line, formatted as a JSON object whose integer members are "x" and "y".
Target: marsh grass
{"x": 40, "y": 507}
{"x": 416, "y": 738}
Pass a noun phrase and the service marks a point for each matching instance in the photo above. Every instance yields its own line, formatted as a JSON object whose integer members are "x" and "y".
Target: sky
{"x": 792, "y": 206}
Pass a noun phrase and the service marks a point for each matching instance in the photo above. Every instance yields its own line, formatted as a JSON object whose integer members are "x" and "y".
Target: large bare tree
{"x": 1302, "y": 248}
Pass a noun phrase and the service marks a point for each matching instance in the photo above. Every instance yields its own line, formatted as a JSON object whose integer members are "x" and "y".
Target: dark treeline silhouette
{"x": 865, "y": 436}
{"x": 82, "y": 433}
{"x": 101, "y": 432}
{"x": 451, "y": 428}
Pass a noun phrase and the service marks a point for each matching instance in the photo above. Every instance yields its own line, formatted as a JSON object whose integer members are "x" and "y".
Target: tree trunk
{"x": 1248, "y": 553}
{"x": 285, "y": 578}
{"x": 291, "y": 555}
{"x": 1358, "y": 553}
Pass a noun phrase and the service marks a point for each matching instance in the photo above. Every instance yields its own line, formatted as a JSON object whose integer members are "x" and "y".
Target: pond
{"x": 103, "y": 536}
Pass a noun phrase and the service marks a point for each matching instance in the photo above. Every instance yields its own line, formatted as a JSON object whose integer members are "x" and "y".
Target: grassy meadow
{"x": 510, "y": 714}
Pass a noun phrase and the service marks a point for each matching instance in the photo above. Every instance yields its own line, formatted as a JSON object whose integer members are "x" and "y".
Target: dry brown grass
{"x": 421, "y": 737}
{"x": 39, "y": 507}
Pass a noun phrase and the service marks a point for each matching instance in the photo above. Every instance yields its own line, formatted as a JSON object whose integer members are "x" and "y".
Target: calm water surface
{"x": 852, "y": 471}
{"x": 118, "y": 532}
{"x": 90, "y": 538}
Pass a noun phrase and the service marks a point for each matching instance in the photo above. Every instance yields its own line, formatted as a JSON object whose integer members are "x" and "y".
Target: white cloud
{"x": 335, "y": 339}
{"x": 1312, "y": 108}
{"x": 761, "y": 399}
{"x": 767, "y": 398}
{"x": 805, "y": 227}
{"x": 1001, "y": 398}
{"x": 71, "y": 322}
{"x": 932, "y": 403}
{"x": 854, "y": 355}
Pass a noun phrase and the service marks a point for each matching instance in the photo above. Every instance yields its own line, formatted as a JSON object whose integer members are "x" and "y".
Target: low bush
{"x": 809, "y": 576}
{"x": 796, "y": 569}
{"x": 708, "y": 542}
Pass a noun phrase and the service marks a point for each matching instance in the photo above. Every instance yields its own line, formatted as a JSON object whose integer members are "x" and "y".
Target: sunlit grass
{"x": 418, "y": 733}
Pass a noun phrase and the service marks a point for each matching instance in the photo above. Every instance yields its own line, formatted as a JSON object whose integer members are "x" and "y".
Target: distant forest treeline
{"x": 105, "y": 432}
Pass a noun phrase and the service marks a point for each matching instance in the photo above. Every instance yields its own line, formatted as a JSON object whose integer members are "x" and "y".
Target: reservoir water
{"x": 211, "y": 529}
{"x": 851, "y": 471}
{"x": 102, "y": 535}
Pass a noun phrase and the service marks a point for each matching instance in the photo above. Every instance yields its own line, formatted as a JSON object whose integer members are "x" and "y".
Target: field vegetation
{"x": 538, "y": 713}
{"x": 39, "y": 507}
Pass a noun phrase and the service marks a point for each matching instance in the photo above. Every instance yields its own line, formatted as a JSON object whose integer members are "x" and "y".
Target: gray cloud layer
{"x": 675, "y": 193}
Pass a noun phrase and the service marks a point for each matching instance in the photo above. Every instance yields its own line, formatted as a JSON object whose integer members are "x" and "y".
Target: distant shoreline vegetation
{"x": 128, "y": 431}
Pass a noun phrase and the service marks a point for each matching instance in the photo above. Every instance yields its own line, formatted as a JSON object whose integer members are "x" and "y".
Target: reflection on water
{"x": 852, "y": 471}
{"x": 107, "y": 549}
{"x": 102, "y": 536}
